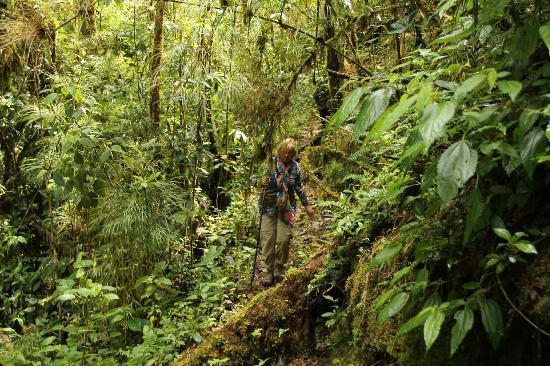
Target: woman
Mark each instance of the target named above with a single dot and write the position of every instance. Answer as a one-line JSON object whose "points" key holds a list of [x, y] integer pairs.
{"points": [[278, 209]]}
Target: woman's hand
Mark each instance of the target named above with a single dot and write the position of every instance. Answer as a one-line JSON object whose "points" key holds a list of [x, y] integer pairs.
{"points": [[310, 213]]}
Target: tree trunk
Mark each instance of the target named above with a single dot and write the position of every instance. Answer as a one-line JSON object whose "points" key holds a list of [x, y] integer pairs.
{"points": [[86, 12], [154, 106]]}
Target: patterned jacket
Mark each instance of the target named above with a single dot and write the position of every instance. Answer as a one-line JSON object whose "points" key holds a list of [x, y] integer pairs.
{"points": [[270, 189]]}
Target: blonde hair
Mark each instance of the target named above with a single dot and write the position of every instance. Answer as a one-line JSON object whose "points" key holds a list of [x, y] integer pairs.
{"points": [[288, 145]]}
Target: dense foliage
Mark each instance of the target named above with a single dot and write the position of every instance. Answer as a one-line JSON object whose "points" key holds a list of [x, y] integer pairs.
{"points": [[132, 134]]}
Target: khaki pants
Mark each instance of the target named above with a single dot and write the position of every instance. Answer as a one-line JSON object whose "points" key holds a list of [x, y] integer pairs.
{"points": [[275, 238]]}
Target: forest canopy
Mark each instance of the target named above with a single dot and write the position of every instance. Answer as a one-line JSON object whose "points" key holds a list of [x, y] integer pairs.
{"points": [[134, 135]]}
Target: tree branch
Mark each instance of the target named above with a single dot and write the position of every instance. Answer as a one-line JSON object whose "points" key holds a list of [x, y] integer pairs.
{"points": [[518, 311]]}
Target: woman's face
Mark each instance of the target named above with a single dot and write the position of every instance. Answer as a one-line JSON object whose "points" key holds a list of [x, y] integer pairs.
{"points": [[287, 157]]}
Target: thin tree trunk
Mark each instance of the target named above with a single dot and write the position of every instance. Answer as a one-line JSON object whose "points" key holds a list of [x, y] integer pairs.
{"points": [[86, 12], [154, 106]]}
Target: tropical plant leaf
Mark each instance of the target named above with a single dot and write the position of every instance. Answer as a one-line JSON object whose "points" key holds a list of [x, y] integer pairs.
{"points": [[474, 210], [348, 106], [390, 117], [544, 32], [510, 87], [464, 322], [434, 118], [373, 106], [491, 316], [393, 307], [385, 255], [432, 327], [468, 85], [416, 321], [456, 165], [525, 247], [530, 147], [492, 9], [524, 41]]}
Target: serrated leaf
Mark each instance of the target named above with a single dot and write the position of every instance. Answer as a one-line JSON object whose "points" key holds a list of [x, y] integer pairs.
{"points": [[390, 117], [416, 321], [491, 316], [434, 118], [510, 87], [474, 210], [464, 322], [372, 108], [468, 85], [526, 247], [393, 307], [348, 105], [544, 32], [455, 166], [432, 327]]}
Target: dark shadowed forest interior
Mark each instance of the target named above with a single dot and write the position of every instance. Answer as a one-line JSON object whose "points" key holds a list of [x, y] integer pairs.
{"points": [[138, 137]]}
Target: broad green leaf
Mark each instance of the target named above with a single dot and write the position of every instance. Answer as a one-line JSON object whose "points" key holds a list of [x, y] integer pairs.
{"points": [[530, 147], [492, 9], [390, 117], [65, 296], [455, 166], [432, 326], [163, 281], [58, 178], [468, 85], [416, 321], [524, 41], [502, 233], [348, 105], [456, 35], [381, 300], [434, 118], [526, 247], [491, 316], [474, 210], [134, 325], [464, 322], [117, 148], [400, 274], [544, 32], [111, 297], [393, 307], [385, 255], [527, 120], [373, 106], [510, 87], [50, 98]]}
